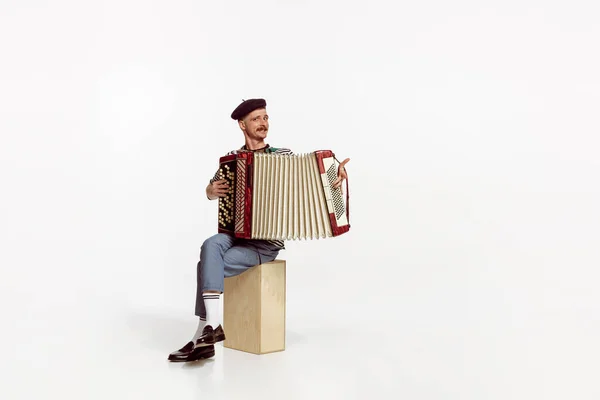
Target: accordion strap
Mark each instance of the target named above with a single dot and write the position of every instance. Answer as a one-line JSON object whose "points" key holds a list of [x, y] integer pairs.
{"points": [[347, 202]]}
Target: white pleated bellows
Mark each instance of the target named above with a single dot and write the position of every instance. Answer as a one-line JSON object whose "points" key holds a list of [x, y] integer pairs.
{"points": [[291, 199]]}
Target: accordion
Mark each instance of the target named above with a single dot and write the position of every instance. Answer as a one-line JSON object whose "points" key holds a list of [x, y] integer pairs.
{"points": [[282, 196]]}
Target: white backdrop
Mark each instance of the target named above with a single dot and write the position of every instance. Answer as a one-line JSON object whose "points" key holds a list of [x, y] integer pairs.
{"points": [[474, 178]]}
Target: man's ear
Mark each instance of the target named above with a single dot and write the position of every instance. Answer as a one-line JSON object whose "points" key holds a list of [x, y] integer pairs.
{"points": [[242, 125]]}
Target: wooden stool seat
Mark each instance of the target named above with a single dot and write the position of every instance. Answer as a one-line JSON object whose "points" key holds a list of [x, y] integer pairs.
{"points": [[254, 309]]}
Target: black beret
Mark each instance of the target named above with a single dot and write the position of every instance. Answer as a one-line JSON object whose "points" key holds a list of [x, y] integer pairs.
{"points": [[246, 107]]}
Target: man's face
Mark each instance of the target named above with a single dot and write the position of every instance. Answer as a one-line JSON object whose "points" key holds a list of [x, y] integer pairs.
{"points": [[256, 124]]}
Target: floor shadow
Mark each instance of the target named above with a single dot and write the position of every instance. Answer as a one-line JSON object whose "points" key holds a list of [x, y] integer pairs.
{"points": [[294, 338], [195, 364], [166, 333]]}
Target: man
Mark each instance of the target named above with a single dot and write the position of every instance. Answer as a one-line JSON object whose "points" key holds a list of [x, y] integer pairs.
{"points": [[223, 255]]}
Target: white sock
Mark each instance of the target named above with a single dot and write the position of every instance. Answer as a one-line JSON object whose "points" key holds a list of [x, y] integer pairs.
{"points": [[201, 325], [212, 303]]}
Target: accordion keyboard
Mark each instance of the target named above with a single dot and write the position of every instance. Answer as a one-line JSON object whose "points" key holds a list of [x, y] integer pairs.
{"points": [[227, 203], [336, 194]]}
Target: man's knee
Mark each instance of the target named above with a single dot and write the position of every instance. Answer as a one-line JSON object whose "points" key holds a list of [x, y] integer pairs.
{"points": [[220, 240]]}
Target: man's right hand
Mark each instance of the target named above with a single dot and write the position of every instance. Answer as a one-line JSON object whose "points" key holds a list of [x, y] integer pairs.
{"points": [[217, 189]]}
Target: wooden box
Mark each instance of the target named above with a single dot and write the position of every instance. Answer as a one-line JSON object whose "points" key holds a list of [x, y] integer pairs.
{"points": [[254, 309]]}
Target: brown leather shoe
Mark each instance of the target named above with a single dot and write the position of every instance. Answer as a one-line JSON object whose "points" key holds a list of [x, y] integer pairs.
{"points": [[191, 353], [210, 336]]}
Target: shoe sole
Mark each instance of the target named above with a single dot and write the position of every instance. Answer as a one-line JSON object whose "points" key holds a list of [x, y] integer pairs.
{"points": [[197, 354], [201, 355]]}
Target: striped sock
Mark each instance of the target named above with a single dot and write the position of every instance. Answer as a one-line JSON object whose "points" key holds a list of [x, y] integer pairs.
{"points": [[211, 303]]}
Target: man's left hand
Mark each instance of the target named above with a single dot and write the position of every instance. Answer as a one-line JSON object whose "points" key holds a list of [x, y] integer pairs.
{"points": [[341, 174]]}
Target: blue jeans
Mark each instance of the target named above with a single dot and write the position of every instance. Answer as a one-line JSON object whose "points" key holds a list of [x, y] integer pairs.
{"points": [[223, 256]]}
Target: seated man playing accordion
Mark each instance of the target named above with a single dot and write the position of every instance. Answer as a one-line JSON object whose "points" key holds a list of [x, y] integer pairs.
{"points": [[224, 255]]}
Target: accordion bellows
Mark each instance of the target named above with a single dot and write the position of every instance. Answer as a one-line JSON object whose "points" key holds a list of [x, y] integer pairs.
{"points": [[281, 197]]}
